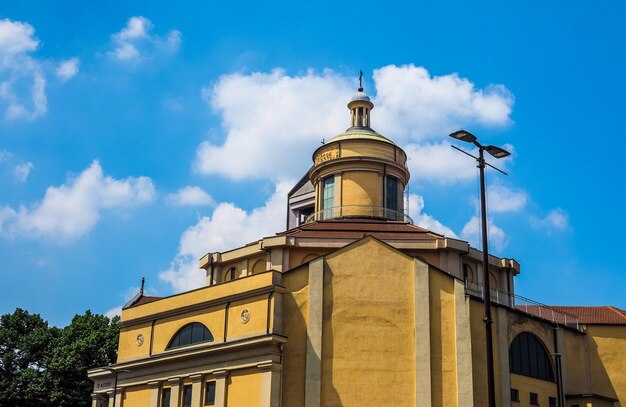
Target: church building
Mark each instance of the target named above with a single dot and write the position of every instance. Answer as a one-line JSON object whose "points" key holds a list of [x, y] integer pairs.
{"points": [[354, 305]]}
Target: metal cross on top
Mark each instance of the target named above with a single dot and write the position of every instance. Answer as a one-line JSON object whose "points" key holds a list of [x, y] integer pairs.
{"points": [[360, 80]]}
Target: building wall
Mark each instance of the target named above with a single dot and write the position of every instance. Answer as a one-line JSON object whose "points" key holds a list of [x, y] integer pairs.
{"points": [[367, 347], [607, 351], [526, 385], [136, 396], [244, 388]]}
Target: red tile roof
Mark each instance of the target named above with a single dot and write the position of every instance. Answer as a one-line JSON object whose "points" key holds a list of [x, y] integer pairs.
{"points": [[358, 229], [598, 315], [144, 299]]}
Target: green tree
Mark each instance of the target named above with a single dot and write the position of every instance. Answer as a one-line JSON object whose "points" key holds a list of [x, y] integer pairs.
{"points": [[24, 352], [89, 341], [47, 366]]}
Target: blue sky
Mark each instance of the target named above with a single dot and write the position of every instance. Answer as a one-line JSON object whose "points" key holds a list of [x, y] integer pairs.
{"points": [[136, 137]]}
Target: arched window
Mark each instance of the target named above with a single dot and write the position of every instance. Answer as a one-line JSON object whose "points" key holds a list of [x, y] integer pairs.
{"points": [[528, 357], [190, 334], [230, 274]]}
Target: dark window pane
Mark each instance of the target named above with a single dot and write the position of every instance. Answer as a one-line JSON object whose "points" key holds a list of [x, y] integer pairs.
{"points": [[534, 398], [392, 194], [209, 394], [528, 357], [190, 334], [551, 402], [165, 398], [185, 336], [187, 396], [514, 395], [197, 333]]}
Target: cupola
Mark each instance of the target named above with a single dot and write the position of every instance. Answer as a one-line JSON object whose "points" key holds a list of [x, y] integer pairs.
{"points": [[359, 174]]}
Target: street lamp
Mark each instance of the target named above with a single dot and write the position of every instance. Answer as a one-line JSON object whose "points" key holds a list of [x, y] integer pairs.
{"points": [[116, 371], [496, 152]]}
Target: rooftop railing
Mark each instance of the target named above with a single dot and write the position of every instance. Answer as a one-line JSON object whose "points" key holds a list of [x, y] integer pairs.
{"points": [[358, 212], [524, 304]]}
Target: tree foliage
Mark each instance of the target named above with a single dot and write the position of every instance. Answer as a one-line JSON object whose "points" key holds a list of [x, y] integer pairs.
{"points": [[42, 365]]}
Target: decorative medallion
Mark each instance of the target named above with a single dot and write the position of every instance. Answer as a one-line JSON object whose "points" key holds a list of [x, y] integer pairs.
{"points": [[139, 339], [245, 316]]}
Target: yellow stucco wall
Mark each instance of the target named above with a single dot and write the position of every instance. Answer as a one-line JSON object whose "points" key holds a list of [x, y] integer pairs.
{"points": [[257, 310], [479, 357], [127, 346], [574, 358], [607, 353], [367, 342], [526, 385], [244, 388], [199, 295], [295, 317], [136, 396], [360, 188], [442, 340]]}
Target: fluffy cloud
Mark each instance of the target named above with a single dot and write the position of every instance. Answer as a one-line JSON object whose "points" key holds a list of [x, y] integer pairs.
{"points": [[416, 212], [22, 82], [472, 231], [502, 199], [73, 209], [412, 105], [190, 196], [19, 169], [273, 121], [556, 220], [228, 227], [135, 41], [67, 69]]}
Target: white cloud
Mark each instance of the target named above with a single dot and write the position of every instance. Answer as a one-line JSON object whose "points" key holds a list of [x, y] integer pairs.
{"points": [[228, 227], [412, 105], [22, 82], [73, 209], [19, 169], [472, 233], [190, 196], [273, 121], [67, 69], [416, 208], [22, 171], [503, 199], [556, 220], [136, 42]]}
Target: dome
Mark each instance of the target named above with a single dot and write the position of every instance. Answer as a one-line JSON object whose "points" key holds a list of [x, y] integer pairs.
{"points": [[360, 95]]}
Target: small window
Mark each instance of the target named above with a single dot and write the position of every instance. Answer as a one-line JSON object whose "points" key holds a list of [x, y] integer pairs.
{"points": [[514, 395], [534, 399], [551, 401], [392, 194], [187, 395], [209, 394], [190, 334], [165, 397]]}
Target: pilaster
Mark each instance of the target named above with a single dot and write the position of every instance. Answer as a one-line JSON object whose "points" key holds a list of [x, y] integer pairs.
{"points": [[465, 386], [174, 382], [154, 393], [421, 294], [196, 390], [313, 370], [220, 387], [270, 384]]}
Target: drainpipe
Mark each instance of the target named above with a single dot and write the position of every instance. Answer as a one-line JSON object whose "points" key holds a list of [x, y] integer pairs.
{"points": [[557, 362]]}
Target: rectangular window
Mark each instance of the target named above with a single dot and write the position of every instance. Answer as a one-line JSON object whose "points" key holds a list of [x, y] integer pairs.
{"points": [[187, 396], [534, 399], [328, 197], [514, 395], [392, 194], [165, 397], [551, 401], [209, 394]]}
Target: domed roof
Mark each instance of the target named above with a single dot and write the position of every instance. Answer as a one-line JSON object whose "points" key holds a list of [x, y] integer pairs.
{"points": [[360, 95]]}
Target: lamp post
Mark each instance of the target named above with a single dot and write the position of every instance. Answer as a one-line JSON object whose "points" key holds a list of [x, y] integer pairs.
{"points": [[110, 369], [497, 152]]}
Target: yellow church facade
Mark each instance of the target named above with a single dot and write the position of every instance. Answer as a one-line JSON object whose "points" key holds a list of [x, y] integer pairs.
{"points": [[353, 305]]}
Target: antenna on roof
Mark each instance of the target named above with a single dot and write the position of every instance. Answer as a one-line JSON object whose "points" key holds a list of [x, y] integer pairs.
{"points": [[360, 80], [143, 281]]}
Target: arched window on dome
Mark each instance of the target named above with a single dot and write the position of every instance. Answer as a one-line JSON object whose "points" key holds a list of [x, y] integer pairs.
{"points": [[391, 194], [190, 334], [528, 357]]}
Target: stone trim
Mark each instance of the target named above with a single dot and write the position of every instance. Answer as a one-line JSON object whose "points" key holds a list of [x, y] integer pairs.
{"points": [[313, 369], [421, 294]]}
